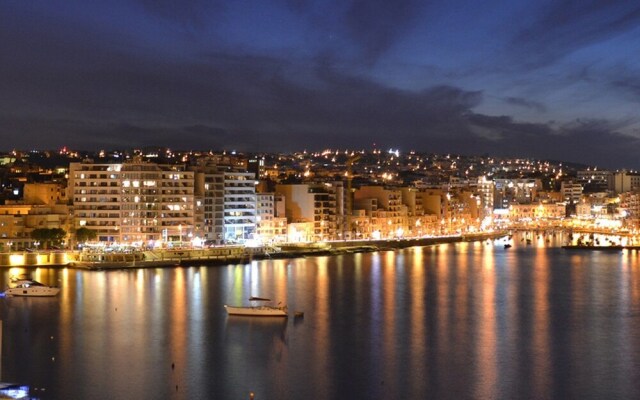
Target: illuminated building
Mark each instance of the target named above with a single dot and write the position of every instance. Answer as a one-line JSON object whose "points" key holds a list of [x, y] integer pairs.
{"points": [[521, 191], [134, 202], [229, 196], [312, 203], [385, 208], [42, 207], [540, 211], [593, 180], [571, 192], [485, 189], [265, 210]]}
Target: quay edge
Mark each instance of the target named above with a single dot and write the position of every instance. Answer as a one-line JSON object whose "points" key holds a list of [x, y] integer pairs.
{"points": [[222, 255]]}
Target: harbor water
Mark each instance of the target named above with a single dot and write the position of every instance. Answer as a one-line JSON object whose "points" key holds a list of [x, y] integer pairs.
{"points": [[452, 321]]}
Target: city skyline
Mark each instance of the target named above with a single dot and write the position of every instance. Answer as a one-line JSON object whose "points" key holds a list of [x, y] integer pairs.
{"points": [[544, 80]]}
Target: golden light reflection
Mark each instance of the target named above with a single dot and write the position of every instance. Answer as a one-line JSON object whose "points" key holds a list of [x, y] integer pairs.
{"points": [[487, 371], [280, 282], [540, 326], [237, 285], [16, 272], [64, 280], [460, 288], [443, 298], [392, 267], [322, 337], [139, 281], [357, 266], [418, 335], [632, 268], [179, 320]]}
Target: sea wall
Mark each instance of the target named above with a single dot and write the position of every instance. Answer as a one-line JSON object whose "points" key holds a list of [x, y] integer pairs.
{"points": [[216, 255]]}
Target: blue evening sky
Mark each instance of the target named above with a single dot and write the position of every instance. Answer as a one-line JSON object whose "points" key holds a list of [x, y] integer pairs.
{"points": [[545, 79]]}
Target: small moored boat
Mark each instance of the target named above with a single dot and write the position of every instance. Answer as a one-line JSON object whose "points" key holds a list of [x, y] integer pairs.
{"points": [[31, 288], [258, 310]]}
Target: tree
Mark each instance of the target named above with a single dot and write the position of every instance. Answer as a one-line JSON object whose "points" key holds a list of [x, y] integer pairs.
{"points": [[57, 236], [85, 234], [48, 236], [40, 235]]}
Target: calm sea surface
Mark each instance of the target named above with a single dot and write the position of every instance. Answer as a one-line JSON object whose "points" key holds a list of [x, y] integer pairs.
{"points": [[463, 321]]}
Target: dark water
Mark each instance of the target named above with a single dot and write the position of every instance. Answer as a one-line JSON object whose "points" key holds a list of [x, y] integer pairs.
{"points": [[464, 321]]}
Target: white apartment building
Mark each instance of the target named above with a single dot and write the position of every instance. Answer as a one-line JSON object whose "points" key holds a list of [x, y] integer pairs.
{"points": [[239, 206], [134, 202], [229, 199]]}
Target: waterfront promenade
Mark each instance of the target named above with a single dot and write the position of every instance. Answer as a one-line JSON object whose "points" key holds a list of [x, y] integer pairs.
{"points": [[218, 255]]}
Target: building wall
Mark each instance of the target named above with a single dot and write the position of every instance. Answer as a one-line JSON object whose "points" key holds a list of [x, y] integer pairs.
{"points": [[298, 202], [536, 211], [133, 202], [391, 214], [44, 193], [265, 211], [625, 181], [239, 206], [571, 192], [312, 203], [17, 221]]}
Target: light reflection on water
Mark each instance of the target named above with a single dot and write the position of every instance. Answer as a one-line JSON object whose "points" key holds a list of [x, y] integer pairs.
{"points": [[471, 320]]}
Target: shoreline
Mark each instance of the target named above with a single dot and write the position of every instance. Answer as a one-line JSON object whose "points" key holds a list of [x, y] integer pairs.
{"points": [[227, 255], [233, 254]]}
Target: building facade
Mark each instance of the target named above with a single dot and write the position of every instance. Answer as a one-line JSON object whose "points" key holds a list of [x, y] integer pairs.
{"points": [[135, 202]]}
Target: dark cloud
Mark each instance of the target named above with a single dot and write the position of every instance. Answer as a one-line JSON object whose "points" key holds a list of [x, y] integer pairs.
{"points": [[590, 141], [528, 104], [562, 27], [226, 101], [371, 26], [188, 13], [377, 24], [71, 85]]}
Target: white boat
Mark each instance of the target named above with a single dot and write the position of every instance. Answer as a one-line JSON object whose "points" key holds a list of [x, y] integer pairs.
{"points": [[258, 310], [31, 288]]}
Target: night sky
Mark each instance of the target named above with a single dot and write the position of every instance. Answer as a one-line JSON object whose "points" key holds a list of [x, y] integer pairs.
{"points": [[545, 79]]}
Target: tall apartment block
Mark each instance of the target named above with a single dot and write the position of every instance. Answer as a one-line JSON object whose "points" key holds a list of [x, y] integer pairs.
{"points": [[133, 202], [229, 197]]}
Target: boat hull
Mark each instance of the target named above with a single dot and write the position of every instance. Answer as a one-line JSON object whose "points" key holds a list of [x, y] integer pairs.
{"points": [[259, 311], [32, 292]]}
